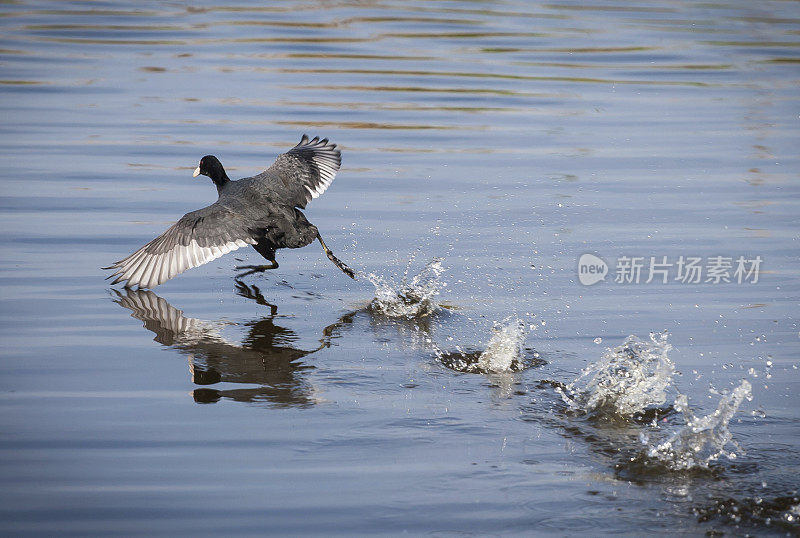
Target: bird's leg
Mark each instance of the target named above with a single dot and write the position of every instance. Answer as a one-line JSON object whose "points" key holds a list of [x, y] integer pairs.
{"points": [[339, 263], [268, 253]]}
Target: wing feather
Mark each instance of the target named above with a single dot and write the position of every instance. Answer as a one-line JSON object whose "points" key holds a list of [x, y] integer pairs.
{"points": [[297, 177], [142, 269], [304, 172], [198, 238]]}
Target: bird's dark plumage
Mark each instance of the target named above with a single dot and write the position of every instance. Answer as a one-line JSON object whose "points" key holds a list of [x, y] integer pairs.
{"points": [[262, 211]]}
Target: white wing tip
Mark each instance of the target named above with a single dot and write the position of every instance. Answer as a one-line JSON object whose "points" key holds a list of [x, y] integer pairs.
{"points": [[143, 270]]}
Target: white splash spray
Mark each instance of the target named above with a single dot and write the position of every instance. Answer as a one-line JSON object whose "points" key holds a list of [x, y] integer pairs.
{"points": [[504, 353], [702, 439], [626, 380], [408, 299]]}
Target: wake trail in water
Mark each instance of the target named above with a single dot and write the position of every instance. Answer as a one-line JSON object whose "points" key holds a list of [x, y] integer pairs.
{"points": [[415, 298]]}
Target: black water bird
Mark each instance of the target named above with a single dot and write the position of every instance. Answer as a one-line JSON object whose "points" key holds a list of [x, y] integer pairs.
{"points": [[262, 211]]}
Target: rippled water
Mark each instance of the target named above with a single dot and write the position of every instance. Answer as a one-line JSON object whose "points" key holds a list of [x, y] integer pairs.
{"points": [[507, 139]]}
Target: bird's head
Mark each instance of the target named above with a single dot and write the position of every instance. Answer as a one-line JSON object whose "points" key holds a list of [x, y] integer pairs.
{"points": [[211, 167]]}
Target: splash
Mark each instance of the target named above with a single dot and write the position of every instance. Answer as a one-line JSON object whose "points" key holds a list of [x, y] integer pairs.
{"points": [[408, 299], [504, 353], [702, 439], [627, 379]]}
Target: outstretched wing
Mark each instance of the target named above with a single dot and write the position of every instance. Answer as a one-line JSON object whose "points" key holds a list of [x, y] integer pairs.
{"points": [[198, 238], [304, 172]]}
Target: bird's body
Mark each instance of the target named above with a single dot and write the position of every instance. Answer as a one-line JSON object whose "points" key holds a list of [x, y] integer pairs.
{"points": [[262, 211]]}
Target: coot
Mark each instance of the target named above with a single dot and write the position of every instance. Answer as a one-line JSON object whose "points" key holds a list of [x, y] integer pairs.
{"points": [[262, 211]]}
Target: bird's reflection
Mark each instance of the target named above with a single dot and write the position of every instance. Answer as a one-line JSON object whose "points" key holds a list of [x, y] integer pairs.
{"points": [[267, 356]]}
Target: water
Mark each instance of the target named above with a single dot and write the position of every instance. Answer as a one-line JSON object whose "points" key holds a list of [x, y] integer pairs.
{"points": [[702, 440], [504, 352], [408, 299], [507, 139], [626, 381]]}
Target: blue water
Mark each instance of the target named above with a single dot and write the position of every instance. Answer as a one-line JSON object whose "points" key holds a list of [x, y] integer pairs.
{"points": [[508, 138]]}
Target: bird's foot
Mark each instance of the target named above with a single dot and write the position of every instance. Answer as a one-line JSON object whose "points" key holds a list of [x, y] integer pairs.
{"points": [[341, 265], [250, 269]]}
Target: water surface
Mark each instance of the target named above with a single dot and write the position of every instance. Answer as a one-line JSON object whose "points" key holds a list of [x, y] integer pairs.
{"points": [[507, 139]]}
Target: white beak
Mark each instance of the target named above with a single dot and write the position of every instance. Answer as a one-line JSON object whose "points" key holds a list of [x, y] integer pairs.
{"points": [[196, 172]]}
